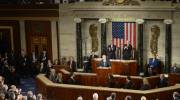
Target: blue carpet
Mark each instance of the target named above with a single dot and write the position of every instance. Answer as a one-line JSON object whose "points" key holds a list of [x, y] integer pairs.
{"points": [[27, 84]]}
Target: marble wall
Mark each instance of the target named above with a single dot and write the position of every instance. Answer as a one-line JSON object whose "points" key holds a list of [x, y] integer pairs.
{"points": [[153, 16]]}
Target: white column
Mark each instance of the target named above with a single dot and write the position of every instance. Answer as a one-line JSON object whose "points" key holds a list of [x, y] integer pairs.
{"points": [[54, 40], [22, 34]]}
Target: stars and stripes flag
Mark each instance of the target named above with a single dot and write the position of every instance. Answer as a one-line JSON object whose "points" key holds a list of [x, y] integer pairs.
{"points": [[123, 32]]}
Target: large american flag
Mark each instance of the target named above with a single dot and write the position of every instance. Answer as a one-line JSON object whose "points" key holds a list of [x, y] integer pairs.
{"points": [[122, 32]]}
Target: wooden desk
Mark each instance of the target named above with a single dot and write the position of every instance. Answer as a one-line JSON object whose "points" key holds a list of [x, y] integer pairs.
{"points": [[123, 67], [174, 78], [54, 91], [137, 80], [87, 79], [102, 75]]}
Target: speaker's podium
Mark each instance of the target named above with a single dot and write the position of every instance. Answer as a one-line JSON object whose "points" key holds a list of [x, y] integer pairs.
{"points": [[102, 73], [122, 67]]}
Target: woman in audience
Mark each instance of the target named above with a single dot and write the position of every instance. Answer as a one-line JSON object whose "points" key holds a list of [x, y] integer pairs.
{"points": [[59, 78], [52, 75], [145, 85]]}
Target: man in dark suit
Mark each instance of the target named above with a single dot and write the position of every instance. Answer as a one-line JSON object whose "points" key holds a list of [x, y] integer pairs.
{"points": [[88, 66], [127, 51], [154, 63], [43, 57], [24, 64], [72, 64], [12, 59], [104, 62], [111, 51], [129, 83], [71, 80], [174, 69], [163, 81]]}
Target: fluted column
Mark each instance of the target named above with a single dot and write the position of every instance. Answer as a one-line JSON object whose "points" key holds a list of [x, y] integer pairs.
{"points": [[140, 44], [168, 45], [79, 42], [103, 34]]}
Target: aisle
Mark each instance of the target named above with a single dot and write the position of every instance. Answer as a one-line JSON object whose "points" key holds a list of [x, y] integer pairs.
{"points": [[28, 84]]}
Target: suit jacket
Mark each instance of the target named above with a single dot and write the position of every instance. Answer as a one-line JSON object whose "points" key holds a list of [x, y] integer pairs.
{"points": [[71, 81], [43, 58], [153, 63], [112, 52], [12, 59], [145, 87], [129, 85], [162, 83], [127, 52], [72, 66], [105, 64]]}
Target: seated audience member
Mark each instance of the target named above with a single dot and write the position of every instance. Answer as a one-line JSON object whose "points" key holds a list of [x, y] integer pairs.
{"points": [[145, 85], [111, 81], [2, 96], [174, 68], [104, 62], [163, 81], [176, 96], [59, 78], [80, 98], [63, 61], [129, 83], [95, 96], [71, 80], [52, 75], [43, 69], [71, 64], [128, 98], [49, 64], [152, 65], [56, 62], [30, 95], [111, 97], [143, 98], [39, 96]]}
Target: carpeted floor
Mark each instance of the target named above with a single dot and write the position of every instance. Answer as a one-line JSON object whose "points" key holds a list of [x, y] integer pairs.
{"points": [[27, 84]]}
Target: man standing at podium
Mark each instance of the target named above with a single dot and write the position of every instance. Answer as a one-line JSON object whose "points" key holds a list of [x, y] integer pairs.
{"points": [[104, 62]]}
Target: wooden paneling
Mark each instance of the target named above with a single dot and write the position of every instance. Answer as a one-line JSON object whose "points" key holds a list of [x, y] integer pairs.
{"points": [[38, 36], [50, 10], [122, 67], [174, 78], [16, 32], [71, 92], [101, 78]]}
